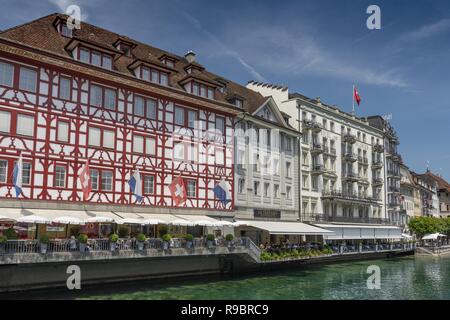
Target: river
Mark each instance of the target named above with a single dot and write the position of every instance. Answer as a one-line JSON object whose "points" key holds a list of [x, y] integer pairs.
{"points": [[422, 277]]}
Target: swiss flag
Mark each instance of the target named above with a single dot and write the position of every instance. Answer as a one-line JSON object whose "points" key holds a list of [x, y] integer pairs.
{"points": [[85, 179], [178, 191], [356, 96]]}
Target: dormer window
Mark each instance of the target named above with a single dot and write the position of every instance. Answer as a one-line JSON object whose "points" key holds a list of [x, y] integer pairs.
{"points": [[199, 89], [95, 58], [65, 31], [155, 76], [239, 103], [126, 49]]}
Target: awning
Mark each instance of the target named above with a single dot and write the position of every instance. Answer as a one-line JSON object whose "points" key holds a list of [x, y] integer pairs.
{"points": [[406, 236], [433, 236], [360, 232], [284, 228], [204, 221], [157, 218], [101, 217]]}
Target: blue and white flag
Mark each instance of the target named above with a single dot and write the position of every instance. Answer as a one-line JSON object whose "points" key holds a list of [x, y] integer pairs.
{"points": [[17, 177], [136, 185], [222, 191]]}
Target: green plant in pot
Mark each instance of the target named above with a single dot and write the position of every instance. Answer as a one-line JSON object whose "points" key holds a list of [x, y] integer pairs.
{"points": [[166, 238], [11, 234], [189, 240], [141, 241], [123, 232], [44, 240], [229, 239], [82, 240], [113, 238], [210, 238]]}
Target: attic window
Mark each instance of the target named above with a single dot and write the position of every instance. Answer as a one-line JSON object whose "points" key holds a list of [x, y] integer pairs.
{"points": [[64, 30], [199, 89], [239, 103], [168, 62], [125, 48]]}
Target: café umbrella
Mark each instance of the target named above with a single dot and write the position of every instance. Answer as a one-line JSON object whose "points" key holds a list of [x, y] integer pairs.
{"points": [[68, 220], [34, 219], [181, 222]]}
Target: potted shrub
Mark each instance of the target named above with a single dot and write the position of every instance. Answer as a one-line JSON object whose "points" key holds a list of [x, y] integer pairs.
{"points": [[3, 241], [74, 231], [82, 240], [189, 240], [229, 239], [113, 238], [123, 232], [141, 241], [44, 240], [166, 241], [11, 234], [210, 238]]}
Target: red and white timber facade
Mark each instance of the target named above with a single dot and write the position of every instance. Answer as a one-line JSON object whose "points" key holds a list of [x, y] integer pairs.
{"points": [[56, 135]]}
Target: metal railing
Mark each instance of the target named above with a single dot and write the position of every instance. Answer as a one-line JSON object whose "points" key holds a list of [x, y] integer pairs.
{"points": [[330, 218]]}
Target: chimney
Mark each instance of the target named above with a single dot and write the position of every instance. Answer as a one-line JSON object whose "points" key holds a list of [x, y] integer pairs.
{"points": [[190, 56]]}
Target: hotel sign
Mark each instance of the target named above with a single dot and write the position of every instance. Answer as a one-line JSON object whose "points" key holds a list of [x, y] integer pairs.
{"points": [[267, 214]]}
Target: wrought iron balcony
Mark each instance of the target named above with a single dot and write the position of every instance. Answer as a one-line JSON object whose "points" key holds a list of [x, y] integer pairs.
{"points": [[363, 160], [317, 148], [313, 125], [350, 156], [331, 218], [349, 196], [330, 173], [377, 163], [318, 169], [393, 173], [394, 189], [351, 176], [349, 138], [378, 148], [377, 181]]}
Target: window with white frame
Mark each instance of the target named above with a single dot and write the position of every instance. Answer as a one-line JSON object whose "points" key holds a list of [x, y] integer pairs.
{"points": [[191, 189], [149, 184], [27, 79], [305, 181], [6, 74], [25, 125], [150, 146], [107, 178], [220, 156], [94, 179], [95, 58], [3, 170], [96, 97], [26, 172], [315, 182], [138, 144], [108, 139], [145, 107], [256, 188], [192, 119], [178, 150], [192, 153], [220, 125], [241, 186], [94, 137], [65, 31], [276, 190], [60, 176], [155, 76], [288, 193], [288, 169], [63, 131], [5, 121], [110, 99], [179, 116], [266, 189]]}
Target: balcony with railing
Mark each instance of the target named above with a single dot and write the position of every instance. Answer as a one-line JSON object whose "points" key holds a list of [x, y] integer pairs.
{"points": [[312, 125], [348, 219], [378, 148], [363, 160], [346, 196], [349, 156], [394, 189], [394, 173], [350, 176], [318, 169], [377, 163], [376, 181], [349, 138], [317, 148]]}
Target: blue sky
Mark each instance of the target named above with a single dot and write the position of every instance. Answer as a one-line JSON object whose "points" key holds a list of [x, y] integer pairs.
{"points": [[319, 48]]}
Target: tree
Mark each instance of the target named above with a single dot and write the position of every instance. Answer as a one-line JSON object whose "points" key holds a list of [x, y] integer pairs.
{"points": [[425, 225]]}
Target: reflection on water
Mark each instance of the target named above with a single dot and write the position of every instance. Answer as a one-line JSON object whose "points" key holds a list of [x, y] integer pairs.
{"points": [[402, 278]]}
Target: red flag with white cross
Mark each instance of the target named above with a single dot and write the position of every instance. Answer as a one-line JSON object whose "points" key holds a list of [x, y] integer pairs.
{"points": [[178, 190], [85, 179]]}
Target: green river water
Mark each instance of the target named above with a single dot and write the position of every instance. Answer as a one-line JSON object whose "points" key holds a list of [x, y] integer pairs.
{"points": [[401, 278]]}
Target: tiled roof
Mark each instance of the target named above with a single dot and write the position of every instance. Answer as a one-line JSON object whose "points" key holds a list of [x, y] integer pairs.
{"points": [[41, 34], [442, 184]]}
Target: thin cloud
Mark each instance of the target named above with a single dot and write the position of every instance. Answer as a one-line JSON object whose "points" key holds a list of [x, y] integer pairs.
{"points": [[427, 31], [224, 48]]}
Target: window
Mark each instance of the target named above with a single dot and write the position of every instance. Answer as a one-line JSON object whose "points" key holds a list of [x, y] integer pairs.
{"points": [[266, 189], [192, 119], [149, 184], [155, 76], [191, 189], [200, 89], [108, 139], [276, 191], [94, 179], [145, 107], [288, 193], [65, 31], [27, 79], [63, 131], [138, 144], [179, 116], [241, 186], [26, 172], [144, 145], [106, 181], [276, 167], [178, 150], [25, 125], [94, 137], [220, 125], [110, 99], [3, 170], [238, 103], [95, 58], [65, 88], [6, 74], [288, 170], [305, 181], [288, 144], [220, 157], [256, 188], [315, 182], [60, 177], [96, 96], [5, 121]]}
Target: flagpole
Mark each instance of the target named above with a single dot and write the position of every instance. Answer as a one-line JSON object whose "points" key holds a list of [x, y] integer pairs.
{"points": [[353, 100]]}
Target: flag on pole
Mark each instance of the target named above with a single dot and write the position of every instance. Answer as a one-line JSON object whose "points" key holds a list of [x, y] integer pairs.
{"points": [[85, 179], [356, 96], [222, 191], [17, 177], [178, 191], [136, 185]]}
